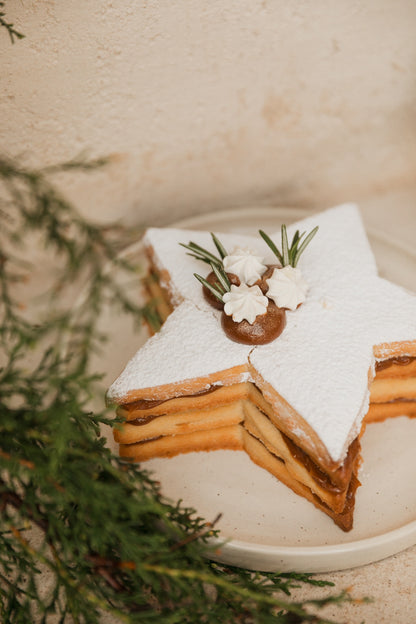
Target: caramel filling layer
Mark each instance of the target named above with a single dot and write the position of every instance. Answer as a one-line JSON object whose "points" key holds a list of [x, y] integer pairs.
{"points": [[317, 474], [139, 422], [146, 404], [403, 360]]}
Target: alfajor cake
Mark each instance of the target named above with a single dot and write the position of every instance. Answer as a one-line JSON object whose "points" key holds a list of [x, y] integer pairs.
{"points": [[277, 345]]}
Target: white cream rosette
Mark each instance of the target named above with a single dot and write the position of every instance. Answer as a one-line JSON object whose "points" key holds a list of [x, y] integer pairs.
{"points": [[245, 303], [246, 264], [287, 288]]}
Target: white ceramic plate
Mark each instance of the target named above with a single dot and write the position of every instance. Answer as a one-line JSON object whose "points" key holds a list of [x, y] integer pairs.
{"points": [[264, 524]]}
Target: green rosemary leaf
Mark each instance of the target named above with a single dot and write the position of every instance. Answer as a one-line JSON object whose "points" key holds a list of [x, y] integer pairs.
{"points": [[220, 247], [194, 253], [304, 244], [289, 255], [294, 245], [199, 258], [203, 253], [214, 291], [222, 277], [272, 246], [285, 246], [295, 240]]}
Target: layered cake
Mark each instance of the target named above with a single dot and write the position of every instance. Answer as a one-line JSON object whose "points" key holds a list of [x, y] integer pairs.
{"points": [[283, 345]]}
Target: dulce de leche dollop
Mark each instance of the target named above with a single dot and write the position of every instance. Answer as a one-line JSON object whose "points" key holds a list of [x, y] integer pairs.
{"points": [[265, 328]]}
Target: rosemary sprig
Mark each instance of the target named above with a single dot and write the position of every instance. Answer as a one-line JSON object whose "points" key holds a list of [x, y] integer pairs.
{"points": [[223, 284], [285, 246], [200, 253], [290, 254], [221, 249], [299, 250], [222, 277], [272, 246], [204, 282]]}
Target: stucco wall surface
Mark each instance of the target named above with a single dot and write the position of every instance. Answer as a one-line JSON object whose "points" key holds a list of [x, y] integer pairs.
{"points": [[213, 104]]}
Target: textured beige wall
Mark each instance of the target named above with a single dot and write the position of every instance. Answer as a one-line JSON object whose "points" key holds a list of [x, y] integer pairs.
{"points": [[213, 104]]}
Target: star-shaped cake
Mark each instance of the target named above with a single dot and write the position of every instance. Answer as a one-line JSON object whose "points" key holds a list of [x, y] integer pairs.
{"points": [[298, 404]]}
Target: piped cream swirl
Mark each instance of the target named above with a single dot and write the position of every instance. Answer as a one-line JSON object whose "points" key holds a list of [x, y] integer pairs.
{"points": [[245, 303], [246, 264]]}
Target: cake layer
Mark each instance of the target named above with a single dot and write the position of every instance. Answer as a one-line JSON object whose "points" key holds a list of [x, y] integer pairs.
{"points": [[184, 402], [389, 388], [381, 411], [298, 465], [179, 423], [225, 438], [393, 390], [261, 456], [339, 473], [396, 367]]}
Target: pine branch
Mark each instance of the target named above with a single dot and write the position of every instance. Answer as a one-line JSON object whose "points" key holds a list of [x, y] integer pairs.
{"points": [[105, 536]]}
